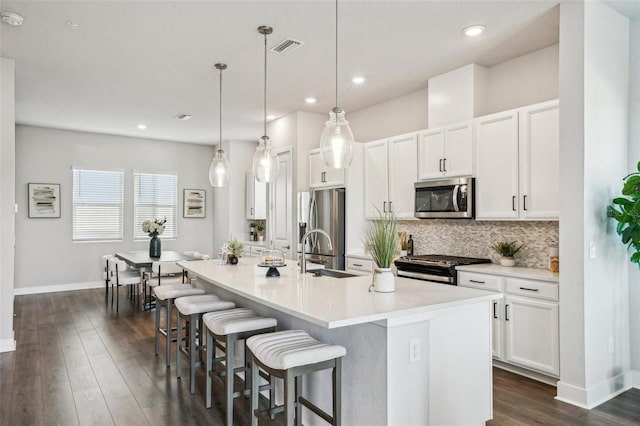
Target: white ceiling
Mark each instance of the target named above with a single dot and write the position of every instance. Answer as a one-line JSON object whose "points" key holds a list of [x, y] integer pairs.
{"points": [[146, 61]]}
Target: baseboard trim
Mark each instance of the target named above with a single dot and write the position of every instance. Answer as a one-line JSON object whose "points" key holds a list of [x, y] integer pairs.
{"points": [[21, 291], [8, 345], [594, 395], [635, 379], [549, 380]]}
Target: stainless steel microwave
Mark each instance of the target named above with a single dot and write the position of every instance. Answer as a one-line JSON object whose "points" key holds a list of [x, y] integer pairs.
{"points": [[446, 198]]}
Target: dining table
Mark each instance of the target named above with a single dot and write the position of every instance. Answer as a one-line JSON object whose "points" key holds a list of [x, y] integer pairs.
{"points": [[141, 261]]}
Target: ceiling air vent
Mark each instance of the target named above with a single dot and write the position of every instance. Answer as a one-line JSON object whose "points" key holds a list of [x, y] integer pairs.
{"points": [[286, 46], [183, 117]]}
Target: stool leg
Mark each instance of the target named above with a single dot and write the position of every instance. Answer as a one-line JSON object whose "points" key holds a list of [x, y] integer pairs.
{"points": [[211, 349], [178, 344], [298, 383], [192, 353], [157, 342], [169, 332], [337, 393], [289, 394], [255, 394], [117, 298], [229, 349]]}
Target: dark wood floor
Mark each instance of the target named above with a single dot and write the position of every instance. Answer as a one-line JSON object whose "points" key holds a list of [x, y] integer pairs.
{"points": [[79, 363]]}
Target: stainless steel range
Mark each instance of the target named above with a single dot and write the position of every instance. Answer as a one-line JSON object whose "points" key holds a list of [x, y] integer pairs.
{"points": [[434, 267]]}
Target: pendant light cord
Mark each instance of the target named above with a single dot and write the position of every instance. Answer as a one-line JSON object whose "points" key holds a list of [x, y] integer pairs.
{"points": [[220, 144], [265, 85], [337, 53]]}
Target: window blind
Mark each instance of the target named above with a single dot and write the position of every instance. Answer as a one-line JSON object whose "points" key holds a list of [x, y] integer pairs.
{"points": [[155, 197], [97, 205]]}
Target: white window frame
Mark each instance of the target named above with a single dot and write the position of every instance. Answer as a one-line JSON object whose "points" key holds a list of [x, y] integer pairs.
{"points": [[157, 207], [95, 189]]}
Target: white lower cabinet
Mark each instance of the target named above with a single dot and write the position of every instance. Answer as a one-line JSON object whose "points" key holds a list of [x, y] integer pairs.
{"points": [[358, 265], [525, 322]]}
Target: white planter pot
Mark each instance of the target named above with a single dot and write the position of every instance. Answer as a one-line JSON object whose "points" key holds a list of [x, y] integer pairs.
{"points": [[508, 261], [383, 280]]}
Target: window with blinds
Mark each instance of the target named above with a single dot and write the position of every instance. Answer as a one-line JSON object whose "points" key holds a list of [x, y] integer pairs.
{"points": [[97, 205], [155, 197]]}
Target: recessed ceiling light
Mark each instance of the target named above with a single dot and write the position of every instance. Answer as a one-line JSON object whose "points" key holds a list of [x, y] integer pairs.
{"points": [[310, 100], [72, 25], [142, 126], [473, 30], [358, 79], [271, 117], [183, 117], [12, 18]]}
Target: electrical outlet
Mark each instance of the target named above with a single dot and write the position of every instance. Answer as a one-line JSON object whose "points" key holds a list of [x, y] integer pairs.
{"points": [[592, 250], [414, 350], [610, 344]]}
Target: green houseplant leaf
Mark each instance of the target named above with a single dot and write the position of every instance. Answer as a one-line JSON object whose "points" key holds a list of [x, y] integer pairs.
{"points": [[381, 236], [626, 211]]}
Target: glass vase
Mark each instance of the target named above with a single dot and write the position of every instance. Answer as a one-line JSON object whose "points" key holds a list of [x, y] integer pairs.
{"points": [[154, 247]]}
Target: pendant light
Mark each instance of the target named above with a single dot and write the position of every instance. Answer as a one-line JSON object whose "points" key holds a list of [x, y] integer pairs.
{"points": [[219, 170], [336, 142], [265, 161]]}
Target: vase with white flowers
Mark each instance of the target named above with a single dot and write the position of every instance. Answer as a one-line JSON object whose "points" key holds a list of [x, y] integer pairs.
{"points": [[153, 228]]}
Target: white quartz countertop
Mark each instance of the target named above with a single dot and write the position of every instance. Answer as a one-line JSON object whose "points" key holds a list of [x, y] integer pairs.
{"points": [[512, 271], [332, 302]]}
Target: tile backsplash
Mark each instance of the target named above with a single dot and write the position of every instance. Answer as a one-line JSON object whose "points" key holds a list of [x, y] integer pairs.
{"points": [[472, 238]]}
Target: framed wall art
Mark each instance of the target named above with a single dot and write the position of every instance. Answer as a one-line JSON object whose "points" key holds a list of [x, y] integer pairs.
{"points": [[44, 200], [194, 202]]}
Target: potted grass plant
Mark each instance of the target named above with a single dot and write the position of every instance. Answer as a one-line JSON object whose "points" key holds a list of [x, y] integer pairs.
{"points": [[507, 249], [381, 237]]}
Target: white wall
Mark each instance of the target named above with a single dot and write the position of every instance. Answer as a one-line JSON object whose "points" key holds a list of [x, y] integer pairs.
{"points": [[634, 157], [594, 46], [389, 118], [7, 201], [524, 80], [45, 253]]}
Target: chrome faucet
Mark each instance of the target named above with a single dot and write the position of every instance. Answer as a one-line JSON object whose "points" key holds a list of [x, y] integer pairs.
{"points": [[303, 261]]}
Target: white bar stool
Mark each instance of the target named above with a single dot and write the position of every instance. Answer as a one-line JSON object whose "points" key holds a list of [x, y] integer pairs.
{"points": [[228, 327], [191, 309], [165, 295], [290, 355]]}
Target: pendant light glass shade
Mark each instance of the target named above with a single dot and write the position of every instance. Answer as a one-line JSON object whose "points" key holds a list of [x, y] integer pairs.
{"points": [[265, 161], [336, 141], [220, 170]]}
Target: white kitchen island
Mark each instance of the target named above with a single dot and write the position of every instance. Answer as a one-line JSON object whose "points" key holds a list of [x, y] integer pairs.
{"points": [[418, 356]]}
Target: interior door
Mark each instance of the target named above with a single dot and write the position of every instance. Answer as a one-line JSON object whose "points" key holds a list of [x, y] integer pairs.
{"points": [[281, 204]]}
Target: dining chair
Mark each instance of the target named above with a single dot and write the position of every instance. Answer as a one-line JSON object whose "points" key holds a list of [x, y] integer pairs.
{"points": [[121, 276], [106, 274]]}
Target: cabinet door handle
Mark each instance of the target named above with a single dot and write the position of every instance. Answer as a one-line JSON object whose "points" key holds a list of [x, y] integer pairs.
{"points": [[358, 264], [384, 207], [390, 207], [444, 164], [477, 282], [506, 312], [440, 164], [524, 202], [529, 289], [251, 211], [495, 305], [513, 203]]}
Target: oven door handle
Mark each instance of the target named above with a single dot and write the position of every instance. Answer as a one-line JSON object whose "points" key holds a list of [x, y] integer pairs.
{"points": [[428, 277], [456, 190]]}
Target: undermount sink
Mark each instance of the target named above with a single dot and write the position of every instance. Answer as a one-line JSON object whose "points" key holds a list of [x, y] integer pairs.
{"points": [[333, 273]]}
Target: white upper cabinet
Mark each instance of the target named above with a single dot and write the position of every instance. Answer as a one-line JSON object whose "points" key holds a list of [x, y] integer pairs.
{"points": [[256, 198], [322, 176], [517, 163], [390, 171], [540, 161], [446, 151]]}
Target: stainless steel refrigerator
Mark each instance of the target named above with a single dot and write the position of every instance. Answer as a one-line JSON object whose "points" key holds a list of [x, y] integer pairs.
{"points": [[323, 209]]}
